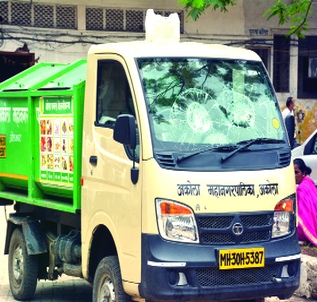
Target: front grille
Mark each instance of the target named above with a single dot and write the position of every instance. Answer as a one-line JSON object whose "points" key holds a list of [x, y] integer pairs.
{"points": [[256, 220], [217, 229], [284, 159], [166, 160], [215, 222], [208, 277], [212, 238], [257, 236]]}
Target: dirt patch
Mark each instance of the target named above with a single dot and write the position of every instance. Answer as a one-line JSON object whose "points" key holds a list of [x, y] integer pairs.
{"points": [[309, 249]]}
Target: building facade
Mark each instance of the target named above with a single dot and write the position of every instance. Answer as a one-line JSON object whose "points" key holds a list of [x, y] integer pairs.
{"points": [[62, 31]]}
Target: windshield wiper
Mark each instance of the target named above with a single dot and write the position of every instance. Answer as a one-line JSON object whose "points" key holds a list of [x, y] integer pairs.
{"points": [[250, 142], [180, 158]]}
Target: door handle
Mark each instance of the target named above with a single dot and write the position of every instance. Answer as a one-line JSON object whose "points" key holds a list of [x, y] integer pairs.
{"points": [[93, 159]]}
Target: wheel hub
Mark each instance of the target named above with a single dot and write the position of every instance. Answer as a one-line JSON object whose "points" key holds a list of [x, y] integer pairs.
{"points": [[18, 263], [107, 293]]}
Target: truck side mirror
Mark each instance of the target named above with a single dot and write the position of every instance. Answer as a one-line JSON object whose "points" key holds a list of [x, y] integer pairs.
{"points": [[125, 133], [125, 130]]}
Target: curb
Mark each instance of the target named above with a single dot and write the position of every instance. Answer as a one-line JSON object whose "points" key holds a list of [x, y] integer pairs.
{"points": [[308, 278]]}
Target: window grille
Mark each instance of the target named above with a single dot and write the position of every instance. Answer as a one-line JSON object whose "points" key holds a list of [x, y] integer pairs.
{"points": [[39, 15], [122, 20], [114, 20], [135, 20], [43, 15], [28, 13], [4, 12], [21, 13], [281, 63], [94, 18], [307, 67], [65, 16]]}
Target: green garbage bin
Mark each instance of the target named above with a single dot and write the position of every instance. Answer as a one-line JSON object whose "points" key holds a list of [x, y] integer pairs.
{"points": [[41, 135]]}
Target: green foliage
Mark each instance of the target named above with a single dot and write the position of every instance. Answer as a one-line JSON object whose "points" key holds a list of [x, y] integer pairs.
{"points": [[195, 8], [295, 13]]}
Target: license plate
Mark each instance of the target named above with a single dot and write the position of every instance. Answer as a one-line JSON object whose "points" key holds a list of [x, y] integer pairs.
{"points": [[241, 258]]}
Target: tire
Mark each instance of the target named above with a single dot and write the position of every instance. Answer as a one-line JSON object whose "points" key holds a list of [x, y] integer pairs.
{"points": [[22, 268], [107, 285]]}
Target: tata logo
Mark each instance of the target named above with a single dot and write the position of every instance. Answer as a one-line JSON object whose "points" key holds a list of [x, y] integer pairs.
{"points": [[237, 229]]}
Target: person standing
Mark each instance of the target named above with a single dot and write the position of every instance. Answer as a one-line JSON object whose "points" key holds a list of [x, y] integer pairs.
{"points": [[306, 192], [289, 119]]}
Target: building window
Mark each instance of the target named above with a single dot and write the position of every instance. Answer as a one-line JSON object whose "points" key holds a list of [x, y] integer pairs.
{"points": [[39, 15], [43, 10], [281, 61], [135, 21], [21, 13], [95, 18], [4, 12], [114, 20], [264, 54], [65, 16], [131, 20], [307, 67]]}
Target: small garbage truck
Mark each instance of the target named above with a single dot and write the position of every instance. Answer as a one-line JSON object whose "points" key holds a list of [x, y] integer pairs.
{"points": [[156, 170]]}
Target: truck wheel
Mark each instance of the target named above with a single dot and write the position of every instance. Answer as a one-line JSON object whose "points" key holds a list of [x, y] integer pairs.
{"points": [[22, 268], [107, 285]]}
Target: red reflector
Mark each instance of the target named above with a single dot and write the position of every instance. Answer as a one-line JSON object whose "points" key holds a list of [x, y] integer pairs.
{"points": [[173, 209]]}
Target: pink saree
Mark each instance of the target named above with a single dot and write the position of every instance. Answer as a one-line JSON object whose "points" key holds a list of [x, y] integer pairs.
{"points": [[307, 210]]}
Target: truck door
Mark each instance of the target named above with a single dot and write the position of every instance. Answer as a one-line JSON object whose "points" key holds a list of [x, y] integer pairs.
{"points": [[109, 196]]}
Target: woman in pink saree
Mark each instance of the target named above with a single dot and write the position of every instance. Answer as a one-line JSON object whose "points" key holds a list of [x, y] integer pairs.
{"points": [[307, 202]]}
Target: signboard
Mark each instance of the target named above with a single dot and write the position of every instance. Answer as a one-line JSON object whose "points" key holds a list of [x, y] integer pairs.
{"points": [[2, 146], [56, 122]]}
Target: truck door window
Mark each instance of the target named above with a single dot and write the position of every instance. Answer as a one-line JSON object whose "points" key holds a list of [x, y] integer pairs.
{"points": [[113, 98], [113, 93]]}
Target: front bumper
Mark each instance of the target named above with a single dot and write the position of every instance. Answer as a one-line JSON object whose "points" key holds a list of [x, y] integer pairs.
{"points": [[188, 272]]}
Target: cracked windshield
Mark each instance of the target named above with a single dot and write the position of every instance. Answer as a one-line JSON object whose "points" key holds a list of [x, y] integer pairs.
{"points": [[195, 103]]}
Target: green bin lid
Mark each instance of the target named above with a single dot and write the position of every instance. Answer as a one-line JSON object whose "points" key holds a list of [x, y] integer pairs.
{"points": [[31, 77], [71, 76]]}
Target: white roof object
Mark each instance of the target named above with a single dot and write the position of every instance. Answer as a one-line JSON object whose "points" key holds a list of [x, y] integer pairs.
{"points": [[161, 29]]}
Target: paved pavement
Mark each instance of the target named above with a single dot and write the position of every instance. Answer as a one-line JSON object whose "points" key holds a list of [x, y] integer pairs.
{"points": [[64, 289]]}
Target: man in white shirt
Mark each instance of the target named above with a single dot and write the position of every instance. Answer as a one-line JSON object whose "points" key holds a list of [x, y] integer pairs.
{"points": [[289, 111]]}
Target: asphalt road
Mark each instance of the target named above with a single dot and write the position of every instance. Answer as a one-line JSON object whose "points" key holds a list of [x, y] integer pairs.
{"points": [[65, 289]]}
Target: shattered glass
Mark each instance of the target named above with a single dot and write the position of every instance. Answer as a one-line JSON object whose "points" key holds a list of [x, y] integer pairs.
{"points": [[208, 102]]}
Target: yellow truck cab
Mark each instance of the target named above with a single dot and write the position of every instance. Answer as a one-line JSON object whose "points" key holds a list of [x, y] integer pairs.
{"points": [[180, 186]]}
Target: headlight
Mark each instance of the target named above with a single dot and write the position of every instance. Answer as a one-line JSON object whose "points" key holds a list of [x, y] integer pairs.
{"points": [[176, 222], [284, 217]]}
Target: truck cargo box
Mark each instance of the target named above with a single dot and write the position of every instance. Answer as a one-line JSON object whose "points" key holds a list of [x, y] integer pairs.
{"points": [[41, 112]]}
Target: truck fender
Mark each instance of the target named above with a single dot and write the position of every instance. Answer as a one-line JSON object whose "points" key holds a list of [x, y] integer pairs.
{"points": [[32, 232]]}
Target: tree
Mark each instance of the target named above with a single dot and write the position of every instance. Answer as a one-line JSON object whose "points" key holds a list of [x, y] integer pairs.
{"points": [[294, 12]]}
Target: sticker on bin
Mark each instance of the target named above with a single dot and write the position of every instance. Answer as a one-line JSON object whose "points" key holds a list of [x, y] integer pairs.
{"points": [[241, 258]]}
